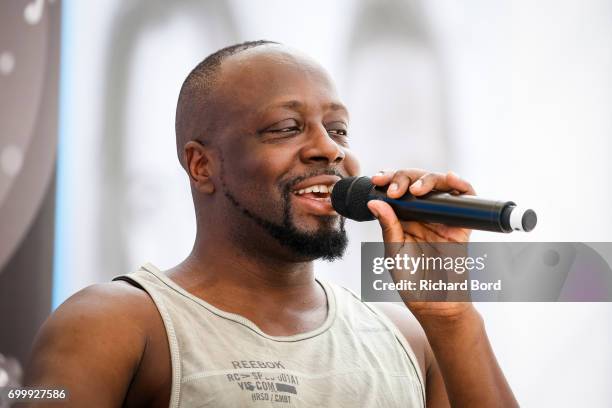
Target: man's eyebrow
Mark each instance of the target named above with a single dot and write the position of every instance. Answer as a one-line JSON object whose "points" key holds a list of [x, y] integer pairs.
{"points": [[295, 105], [337, 107]]}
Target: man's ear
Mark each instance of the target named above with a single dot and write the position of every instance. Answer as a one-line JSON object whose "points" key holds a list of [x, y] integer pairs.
{"points": [[198, 164]]}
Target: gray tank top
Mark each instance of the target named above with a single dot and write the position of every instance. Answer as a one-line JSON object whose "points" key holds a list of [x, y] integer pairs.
{"points": [[357, 358]]}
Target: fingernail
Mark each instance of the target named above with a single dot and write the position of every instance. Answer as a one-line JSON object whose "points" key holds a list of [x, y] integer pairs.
{"points": [[417, 184], [393, 187], [380, 173]]}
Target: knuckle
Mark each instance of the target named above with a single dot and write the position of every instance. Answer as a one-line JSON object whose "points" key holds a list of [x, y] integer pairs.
{"points": [[430, 177], [412, 172], [402, 177], [387, 229]]}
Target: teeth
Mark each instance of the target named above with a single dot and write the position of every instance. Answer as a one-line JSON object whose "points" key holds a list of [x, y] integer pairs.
{"points": [[319, 188]]}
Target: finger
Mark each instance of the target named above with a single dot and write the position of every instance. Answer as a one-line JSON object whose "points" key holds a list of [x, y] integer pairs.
{"points": [[387, 177], [441, 182], [399, 184], [449, 233], [383, 177], [428, 182], [422, 232], [401, 181], [391, 228], [457, 183]]}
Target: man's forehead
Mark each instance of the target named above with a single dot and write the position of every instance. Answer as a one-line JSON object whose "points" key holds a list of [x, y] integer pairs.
{"points": [[274, 56], [272, 68]]}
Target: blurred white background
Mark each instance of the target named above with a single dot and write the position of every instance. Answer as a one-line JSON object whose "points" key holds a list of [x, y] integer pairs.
{"points": [[514, 96]]}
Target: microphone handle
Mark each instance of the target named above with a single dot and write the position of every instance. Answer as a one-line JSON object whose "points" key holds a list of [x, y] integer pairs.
{"points": [[457, 210]]}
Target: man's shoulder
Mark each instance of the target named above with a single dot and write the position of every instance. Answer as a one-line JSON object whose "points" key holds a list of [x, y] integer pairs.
{"points": [[399, 315], [402, 318], [103, 330], [107, 309], [106, 300], [411, 330]]}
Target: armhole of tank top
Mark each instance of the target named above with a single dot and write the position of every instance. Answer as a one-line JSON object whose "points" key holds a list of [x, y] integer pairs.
{"points": [[405, 345], [400, 338], [175, 357]]}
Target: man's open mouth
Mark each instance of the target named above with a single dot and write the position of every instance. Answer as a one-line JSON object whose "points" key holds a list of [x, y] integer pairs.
{"points": [[317, 192], [316, 188]]}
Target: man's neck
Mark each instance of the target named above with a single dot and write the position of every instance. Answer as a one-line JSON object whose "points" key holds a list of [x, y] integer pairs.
{"points": [[248, 265], [254, 285]]}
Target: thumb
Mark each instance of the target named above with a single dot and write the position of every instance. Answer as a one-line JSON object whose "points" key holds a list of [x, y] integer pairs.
{"points": [[392, 230]]}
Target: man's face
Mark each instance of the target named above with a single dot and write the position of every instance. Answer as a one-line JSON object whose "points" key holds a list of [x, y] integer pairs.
{"points": [[283, 144]]}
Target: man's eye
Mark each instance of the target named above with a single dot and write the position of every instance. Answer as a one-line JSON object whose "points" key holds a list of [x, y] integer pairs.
{"points": [[340, 132], [285, 127], [285, 130]]}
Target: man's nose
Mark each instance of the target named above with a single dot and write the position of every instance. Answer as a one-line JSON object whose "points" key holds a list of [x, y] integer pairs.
{"points": [[321, 147]]}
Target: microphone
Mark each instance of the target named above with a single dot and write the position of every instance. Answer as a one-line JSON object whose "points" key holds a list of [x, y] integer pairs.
{"points": [[350, 197]]}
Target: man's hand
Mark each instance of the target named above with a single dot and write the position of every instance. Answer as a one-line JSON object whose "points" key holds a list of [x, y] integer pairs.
{"points": [[421, 235], [464, 369]]}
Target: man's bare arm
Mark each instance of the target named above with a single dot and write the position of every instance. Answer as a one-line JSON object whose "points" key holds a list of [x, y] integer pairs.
{"points": [[91, 346], [459, 362]]}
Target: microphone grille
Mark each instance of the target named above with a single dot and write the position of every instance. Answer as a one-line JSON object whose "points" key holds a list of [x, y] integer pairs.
{"points": [[350, 197]]}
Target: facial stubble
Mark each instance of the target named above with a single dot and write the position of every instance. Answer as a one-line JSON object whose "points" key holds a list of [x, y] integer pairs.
{"points": [[325, 243]]}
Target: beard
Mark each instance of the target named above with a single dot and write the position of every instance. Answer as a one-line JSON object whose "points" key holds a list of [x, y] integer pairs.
{"points": [[327, 243]]}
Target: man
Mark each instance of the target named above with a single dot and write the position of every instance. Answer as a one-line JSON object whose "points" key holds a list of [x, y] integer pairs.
{"points": [[242, 321]]}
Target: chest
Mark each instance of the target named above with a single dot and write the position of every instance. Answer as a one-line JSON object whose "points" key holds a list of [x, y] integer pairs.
{"points": [[339, 368]]}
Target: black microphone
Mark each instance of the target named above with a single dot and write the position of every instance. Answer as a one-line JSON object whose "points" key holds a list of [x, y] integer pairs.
{"points": [[350, 197]]}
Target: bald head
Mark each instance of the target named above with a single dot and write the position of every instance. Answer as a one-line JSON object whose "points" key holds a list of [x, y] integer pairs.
{"points": [[224, 80]]}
